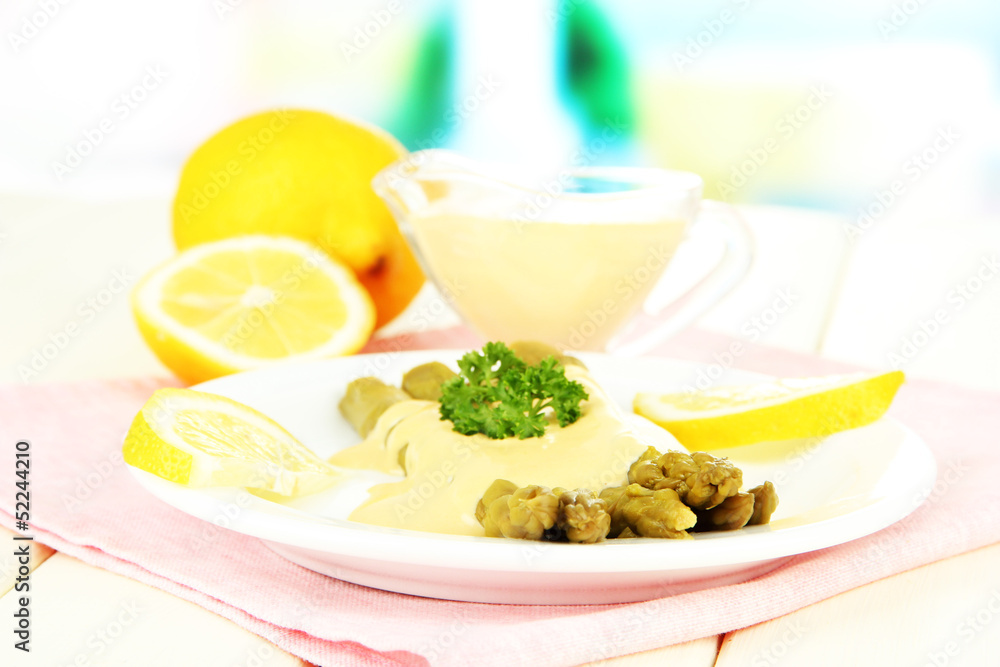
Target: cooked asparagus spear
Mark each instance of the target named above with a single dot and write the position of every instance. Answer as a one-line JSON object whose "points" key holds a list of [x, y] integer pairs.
{"points": [[765, 501], [526, 513], [532, 352], [731, 514], [583, 517], [365, 401], [701, 480], [647, 513], [424, 381], [540, 513]]}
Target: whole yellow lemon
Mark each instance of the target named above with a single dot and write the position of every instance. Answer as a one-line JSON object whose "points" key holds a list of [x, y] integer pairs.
{"points": [[305, 174]]}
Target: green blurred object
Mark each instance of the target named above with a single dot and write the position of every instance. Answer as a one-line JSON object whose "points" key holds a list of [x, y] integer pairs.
{"points": [[594, 68], [419, 121]]}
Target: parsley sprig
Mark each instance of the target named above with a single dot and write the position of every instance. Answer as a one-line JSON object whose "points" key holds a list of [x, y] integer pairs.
{"points": [[499, 395]]}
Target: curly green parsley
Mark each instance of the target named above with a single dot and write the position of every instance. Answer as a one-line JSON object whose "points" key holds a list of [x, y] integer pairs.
{"points": [[499, 395]]}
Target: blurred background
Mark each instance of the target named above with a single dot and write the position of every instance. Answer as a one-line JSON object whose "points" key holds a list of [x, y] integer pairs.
{"points": [[772, 101], [880, 115]]}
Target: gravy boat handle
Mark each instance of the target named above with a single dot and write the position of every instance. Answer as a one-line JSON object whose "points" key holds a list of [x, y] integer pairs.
{"points": [[646, 330]]}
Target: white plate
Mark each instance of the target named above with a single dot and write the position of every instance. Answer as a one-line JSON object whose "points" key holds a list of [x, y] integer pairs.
{"points": [[848, 485]]}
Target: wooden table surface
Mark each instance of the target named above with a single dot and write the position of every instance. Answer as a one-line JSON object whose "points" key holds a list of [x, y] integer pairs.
{"points": [[859, 301]]}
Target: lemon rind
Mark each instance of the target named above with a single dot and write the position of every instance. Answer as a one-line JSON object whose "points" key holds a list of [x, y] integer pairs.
{"points": [[153, 443], [857, 400], [346, 340]]}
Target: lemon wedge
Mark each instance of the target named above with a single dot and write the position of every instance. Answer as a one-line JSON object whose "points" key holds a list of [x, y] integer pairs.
{"points": [[778, 410], [245, 302], [199, 440]]}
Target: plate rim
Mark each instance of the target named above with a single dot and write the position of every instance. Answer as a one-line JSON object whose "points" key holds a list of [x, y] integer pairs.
{"points": [[271, 522]]}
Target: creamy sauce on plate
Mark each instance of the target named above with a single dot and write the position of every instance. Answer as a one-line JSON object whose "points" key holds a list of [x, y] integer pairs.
{"points": [[444, 474]]}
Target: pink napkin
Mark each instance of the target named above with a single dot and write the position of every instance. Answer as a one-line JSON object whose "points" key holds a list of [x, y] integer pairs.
{"points": [[86, 504]]}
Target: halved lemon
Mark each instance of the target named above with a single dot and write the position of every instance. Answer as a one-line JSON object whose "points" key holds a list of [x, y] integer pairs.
{"points": [[305, 174], [199, 439], [778, 410], [249, 301]]}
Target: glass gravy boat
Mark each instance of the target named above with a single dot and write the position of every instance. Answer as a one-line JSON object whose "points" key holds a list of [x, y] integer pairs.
{"points": [[570, 260]]}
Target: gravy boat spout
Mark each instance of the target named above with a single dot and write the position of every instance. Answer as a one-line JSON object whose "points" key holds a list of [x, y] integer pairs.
{"points": [[427, 179]]}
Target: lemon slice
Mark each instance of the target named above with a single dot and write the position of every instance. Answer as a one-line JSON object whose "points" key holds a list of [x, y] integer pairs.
{"points": [[199, 439], [249, 301], [778, 410]]}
